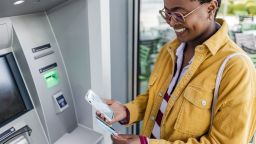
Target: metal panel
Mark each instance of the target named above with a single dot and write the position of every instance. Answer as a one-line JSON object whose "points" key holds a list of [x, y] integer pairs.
{"points": [[33, 31], [31, 119], [6, 33], [70, 25]]}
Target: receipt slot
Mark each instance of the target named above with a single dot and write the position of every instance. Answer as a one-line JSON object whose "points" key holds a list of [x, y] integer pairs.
{"points": [[60, 102]]}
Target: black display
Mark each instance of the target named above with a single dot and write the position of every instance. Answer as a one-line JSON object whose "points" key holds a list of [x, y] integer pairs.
{"points": [[14, 99]]}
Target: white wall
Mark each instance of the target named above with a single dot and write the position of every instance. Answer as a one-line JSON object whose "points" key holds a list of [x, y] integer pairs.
{"points": [[119, 51]]}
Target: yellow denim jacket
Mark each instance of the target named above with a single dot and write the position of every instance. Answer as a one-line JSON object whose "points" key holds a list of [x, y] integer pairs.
{"points": [[187, 116]]}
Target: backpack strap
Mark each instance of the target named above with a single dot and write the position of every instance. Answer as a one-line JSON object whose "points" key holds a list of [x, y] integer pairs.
{"points": [[217, 86], [217, 83]]}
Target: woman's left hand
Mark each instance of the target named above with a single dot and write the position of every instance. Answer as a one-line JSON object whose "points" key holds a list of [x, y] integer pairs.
{"points": [[125, 139]]}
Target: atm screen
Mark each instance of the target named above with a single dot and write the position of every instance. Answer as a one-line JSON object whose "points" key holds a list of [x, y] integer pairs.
{"points": [[11, 100]]}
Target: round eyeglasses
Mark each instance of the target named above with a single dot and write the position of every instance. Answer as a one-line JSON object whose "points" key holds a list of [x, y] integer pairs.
{"points": [[177, 17]]}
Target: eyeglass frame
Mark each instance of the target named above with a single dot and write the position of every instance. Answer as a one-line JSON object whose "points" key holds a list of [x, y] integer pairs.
{"points": [[183, 17]]}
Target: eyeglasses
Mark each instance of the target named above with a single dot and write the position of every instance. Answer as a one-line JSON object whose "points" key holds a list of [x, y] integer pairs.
{"points": [[176, 17]]}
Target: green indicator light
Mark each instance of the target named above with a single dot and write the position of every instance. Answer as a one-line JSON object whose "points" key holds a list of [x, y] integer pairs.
{"points": [[51, 78]]}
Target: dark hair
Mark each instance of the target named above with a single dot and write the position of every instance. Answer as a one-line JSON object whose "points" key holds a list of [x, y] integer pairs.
{"points": [[206, 1]]}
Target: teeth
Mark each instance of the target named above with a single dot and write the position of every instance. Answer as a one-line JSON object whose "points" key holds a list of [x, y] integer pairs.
{"points": [[180, 30]]}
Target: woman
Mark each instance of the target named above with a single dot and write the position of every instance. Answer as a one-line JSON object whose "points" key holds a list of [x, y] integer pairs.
{"points": [[176, 108]]}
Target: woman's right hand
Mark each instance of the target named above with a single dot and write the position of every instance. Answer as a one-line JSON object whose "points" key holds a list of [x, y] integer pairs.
{"points": [[118, 109]]}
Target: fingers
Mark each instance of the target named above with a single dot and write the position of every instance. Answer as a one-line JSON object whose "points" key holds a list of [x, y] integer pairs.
{"points": [[118, 139], [125, 136], [101, 116], [115, 119], [108, 101], [119, 116], [98, 113]]}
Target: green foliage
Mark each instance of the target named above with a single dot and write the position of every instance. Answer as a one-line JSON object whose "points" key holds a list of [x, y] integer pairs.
{"points": [[251, 7], [242, 8], [230, 9], [248, 1]]}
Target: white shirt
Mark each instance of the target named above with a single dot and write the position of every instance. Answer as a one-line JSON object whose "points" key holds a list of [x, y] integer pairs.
{"points": [[176, 78], [178, 75]]}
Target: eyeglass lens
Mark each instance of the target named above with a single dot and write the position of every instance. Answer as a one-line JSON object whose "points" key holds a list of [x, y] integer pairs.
{"points": [[176, 17]]}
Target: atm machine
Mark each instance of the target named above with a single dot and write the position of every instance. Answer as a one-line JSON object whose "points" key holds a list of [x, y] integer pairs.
{"points": [[36, 98]]}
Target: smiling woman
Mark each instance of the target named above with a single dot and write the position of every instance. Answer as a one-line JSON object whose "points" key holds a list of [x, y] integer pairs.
{"points": [[176, 108], [192, 22]]}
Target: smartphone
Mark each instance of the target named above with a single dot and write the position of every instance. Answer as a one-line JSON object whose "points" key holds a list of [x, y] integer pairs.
{"points": [[106, 126], [99, 105]]}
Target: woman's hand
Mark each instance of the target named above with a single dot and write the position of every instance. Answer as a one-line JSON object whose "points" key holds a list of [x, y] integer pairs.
{"points": [[118, 110], [125, 139]]}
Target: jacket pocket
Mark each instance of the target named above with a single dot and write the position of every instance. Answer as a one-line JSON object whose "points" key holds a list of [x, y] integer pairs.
{"points": [[195, 112]]}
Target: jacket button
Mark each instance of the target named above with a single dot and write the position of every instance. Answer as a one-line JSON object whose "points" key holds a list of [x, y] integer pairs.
{"points": [[204, 102], [174, 97], [160, 94], [152, 118]]}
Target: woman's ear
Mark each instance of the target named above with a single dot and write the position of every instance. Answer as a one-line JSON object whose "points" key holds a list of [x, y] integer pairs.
{"points": [[212, 9]]}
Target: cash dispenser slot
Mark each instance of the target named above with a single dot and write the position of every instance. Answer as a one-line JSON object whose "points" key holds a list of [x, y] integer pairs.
{"points": [[50, 75], [51, 78]]}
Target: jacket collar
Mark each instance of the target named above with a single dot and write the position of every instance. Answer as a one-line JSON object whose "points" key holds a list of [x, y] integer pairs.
{"points": [[214, 43], [217, 40]]}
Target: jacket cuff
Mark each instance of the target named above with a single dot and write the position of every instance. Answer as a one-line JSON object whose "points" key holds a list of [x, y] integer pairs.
{"points": [[126, 120], [143, 140]]}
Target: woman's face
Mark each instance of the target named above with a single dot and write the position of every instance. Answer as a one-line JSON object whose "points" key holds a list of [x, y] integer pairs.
{"points": [[196, 23]]}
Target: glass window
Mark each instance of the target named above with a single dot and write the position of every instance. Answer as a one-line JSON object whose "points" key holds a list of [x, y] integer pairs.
{"points": [[240, 16], [153, 34]]}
